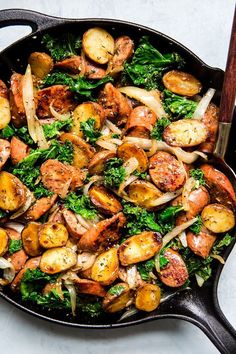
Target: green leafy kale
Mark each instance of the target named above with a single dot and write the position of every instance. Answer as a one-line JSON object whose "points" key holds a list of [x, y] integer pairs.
{"points": [[159, 128], [14, 246], [144, 268], [116, 290], [53, 130], [40, 191], [140, 175], [89, 131], [81, 205], [114, 173], [196, 227], [115, 136], [198, 175], [62, 47], [22, 133], [220, 245], [93, 309], [139, 219], [148, 65], [166, 218], [163, 261], [178, 106], [82, 87]]}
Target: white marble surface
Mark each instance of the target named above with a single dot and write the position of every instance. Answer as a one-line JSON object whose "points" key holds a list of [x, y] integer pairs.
{"points": [[204, 27]]}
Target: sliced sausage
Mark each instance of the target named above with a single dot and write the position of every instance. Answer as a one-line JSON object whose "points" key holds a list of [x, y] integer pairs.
{"points": [[73, 226], [16, 100], [124, 48], [93, 71], [32, 263], [104, 200], [166, 172], [39, 208], [59, 96], [103, 235], [90, 287], [127, 150], [202, 243], [78, 176], [97, 164], [72, 65], [141, 117], [18, 259], [211, 121], [197, 200], [19, 150], [175, 273], [4, 151]]}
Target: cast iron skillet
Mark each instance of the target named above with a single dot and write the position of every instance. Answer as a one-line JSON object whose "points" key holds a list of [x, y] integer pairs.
{"points": [[199, 305]]}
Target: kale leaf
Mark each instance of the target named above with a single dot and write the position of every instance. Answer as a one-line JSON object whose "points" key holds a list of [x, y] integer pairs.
{"points": [[22, 133], [89, 131], [144, 268], [166, 218], [53, 130], [81, 205], [62, 47], [196, 227], [159, 128], [114, 173], [116, 290], [14, 246], [198, 175], [178, 106]]}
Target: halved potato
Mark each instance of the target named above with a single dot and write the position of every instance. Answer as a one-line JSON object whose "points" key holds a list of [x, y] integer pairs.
{"points": [[12, 192], [57, 260], [148, 297], [53, 234], [30, 239], [4, 239], [127, 150], [85, 111], [41, 64], [139, 248], [106, 267], [5, 113], [181, 83], [143, 193], [218, 218], [98, 162], [185, 133], [98, 45], [117, 298], [83, 152], [104, 200]]}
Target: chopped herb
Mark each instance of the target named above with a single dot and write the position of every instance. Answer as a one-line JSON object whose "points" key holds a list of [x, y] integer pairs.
{"points": [[89, 131], [163, 261], [116, 290], [14, 246], [114, 173], [93, 309], [22, 133], [159, 128], [166, 218], [115, 136]]}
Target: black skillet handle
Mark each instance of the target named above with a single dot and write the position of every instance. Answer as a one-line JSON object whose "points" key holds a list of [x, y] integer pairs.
{"points": [[36, 20]]}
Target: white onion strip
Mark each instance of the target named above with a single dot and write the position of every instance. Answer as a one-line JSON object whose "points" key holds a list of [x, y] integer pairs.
{"points": [[92, 181], [189, 186], [203, 104], [165, 198], [72, 292], [128, 313], [15, 226], [150, 99], [8, 273], [218, 257], [112, 127], [200, 280], [106, 145], [57, 115], [125, 183], [130, 165], [83, 222], [132, 276], [35, 129], [183, 239]]}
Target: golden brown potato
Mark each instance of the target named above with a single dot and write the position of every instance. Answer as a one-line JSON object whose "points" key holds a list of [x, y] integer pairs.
{"points": [[3, 241], [143, 193], [53, 235], [30, 239], [32, 263], [220, 188], [104, 234], [182, 83], [218, 218], [117, 298], [197, 200], [166, 172], [185, 133], [16, 100], [148, 297], [98, 162], [73, 226], [175, 273], [98, 45], [18, 150], [4, 151], [41, 64], [127, 150], [106, 267], [104, 200], [139, 248], [85, 260], [39, 208], [83, 152], [57, 260], [5, 114], [211, 121], [85, 111], [12, 192], [202, 243]]}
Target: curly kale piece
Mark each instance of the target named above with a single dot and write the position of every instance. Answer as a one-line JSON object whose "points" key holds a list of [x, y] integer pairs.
{"points": [[63, 46], [81, 205], [114, 173], [159, 128], [89, 131], [178, 106]]}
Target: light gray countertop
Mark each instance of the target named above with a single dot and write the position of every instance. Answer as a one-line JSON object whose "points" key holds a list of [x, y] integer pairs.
{"points": [[203, 27]]}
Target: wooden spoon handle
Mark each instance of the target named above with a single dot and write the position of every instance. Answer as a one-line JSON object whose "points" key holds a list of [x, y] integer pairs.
{"points": [[228, 94]]}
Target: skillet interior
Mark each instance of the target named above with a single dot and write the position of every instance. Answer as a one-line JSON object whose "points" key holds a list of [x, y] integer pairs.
{"points": [[14, 58]]}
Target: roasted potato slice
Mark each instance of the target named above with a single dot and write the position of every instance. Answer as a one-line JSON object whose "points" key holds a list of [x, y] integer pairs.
{"points": [[30, 239], [185, 133], [166, 172], [104, 200], [12, 192], [73, 226], [106, 267], [218, 218], [4, 151], [148, 297], [41, 64], [5, 113], [211, 121], [220, 188], [139, 248], [98, 45], [83, 152], [85, 111], [197, 200], [175, 273], [104, 234], [143, 193], [18, 150], [32, 263], [181, 83], [98, 162], [142, 117], [53, 235], [127, 150], [201, 244], [16, 100], [57, 260], [117, 298], [39, 208], [4, 239]]}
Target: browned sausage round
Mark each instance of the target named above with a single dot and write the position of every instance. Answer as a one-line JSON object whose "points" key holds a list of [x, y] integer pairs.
{"points": [[4, 152], [211, 120], [166, 172], [16, 100], [19, 150], [3, 90], [39, 208], [141, 117], [175, 273], [202, 243], [73, 226], [124, 47], [197, 200]]}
